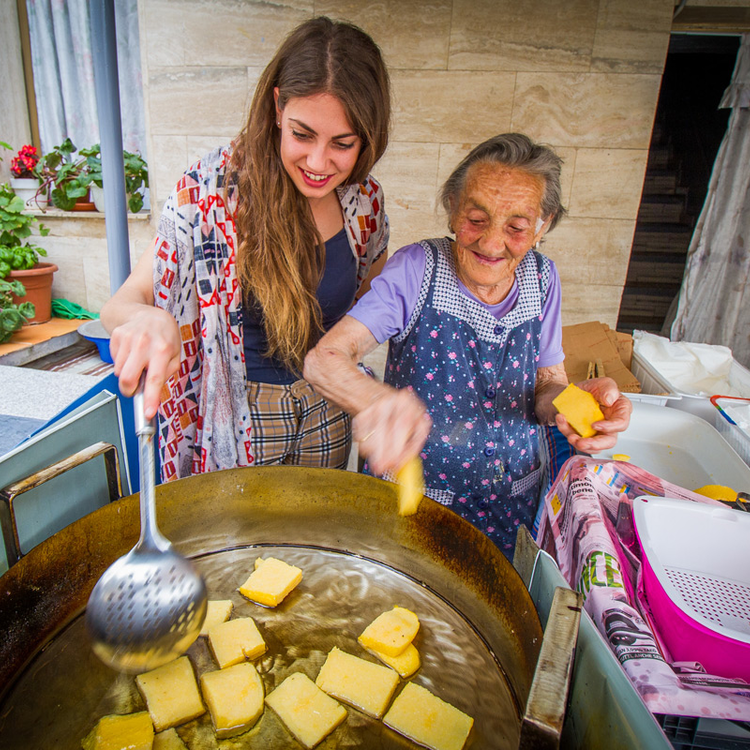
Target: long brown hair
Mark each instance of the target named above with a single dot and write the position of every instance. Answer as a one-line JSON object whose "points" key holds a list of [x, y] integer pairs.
{"points": [[281, 255]]}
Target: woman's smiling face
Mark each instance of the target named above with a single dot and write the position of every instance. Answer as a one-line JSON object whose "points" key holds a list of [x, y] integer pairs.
{"points": [[497, 221], [319, 147]]}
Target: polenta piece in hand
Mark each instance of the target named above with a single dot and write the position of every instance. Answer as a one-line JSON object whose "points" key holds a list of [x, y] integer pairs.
{"points": [[362, 684], [410, 478], [424, 718], [216, 612], [271, 581], [580, 408], [308, 713], [168, 740], [406, 663], [391, 632], [234, 697], [121, 732], [171, 694], [234, 641]]}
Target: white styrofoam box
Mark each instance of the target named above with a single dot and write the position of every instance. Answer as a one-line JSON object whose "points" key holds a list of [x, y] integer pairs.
{"points": [[654, 382], [680, 448], [737, 435]]}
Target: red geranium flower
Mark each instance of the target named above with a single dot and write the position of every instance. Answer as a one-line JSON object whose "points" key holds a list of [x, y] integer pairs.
{"points": [[23, 164]]}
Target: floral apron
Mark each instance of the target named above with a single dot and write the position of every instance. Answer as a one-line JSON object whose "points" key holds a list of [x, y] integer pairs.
{"points": [[476, 374]]}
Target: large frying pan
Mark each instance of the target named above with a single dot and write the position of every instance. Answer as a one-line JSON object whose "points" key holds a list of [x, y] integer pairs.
{"points": [[480, 634]]}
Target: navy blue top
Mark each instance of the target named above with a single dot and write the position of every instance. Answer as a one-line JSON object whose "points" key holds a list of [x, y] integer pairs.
{"points": [[335, 294]]}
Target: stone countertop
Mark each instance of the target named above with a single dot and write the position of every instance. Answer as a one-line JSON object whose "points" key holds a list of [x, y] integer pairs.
{"points": [[40, 394]]}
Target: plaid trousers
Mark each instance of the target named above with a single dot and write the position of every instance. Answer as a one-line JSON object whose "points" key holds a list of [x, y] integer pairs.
{"points": [[293, 425]]}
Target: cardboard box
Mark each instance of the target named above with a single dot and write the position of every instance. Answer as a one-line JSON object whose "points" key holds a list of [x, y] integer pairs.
{"points": [[598, 343]]}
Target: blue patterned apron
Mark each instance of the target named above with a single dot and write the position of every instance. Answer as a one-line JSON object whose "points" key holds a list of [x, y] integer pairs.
{"points": [[476, 374]]}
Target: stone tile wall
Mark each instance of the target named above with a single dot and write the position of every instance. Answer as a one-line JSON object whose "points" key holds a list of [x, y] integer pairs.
{"points": [[580, 75]]}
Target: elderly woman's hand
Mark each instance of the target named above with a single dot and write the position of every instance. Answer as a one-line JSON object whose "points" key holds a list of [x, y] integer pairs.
{"points": [[616, 409], [391, 430]]}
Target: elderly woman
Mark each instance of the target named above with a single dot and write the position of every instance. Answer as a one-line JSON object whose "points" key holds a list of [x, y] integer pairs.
{"points": [[475, 355]]}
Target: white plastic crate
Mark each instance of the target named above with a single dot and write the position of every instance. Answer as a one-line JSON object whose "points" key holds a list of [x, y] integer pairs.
{"points": [[735, 431], [653, 389]]}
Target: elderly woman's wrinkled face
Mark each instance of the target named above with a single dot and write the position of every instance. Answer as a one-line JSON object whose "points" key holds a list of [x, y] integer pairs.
{"points": [[496, 223]]}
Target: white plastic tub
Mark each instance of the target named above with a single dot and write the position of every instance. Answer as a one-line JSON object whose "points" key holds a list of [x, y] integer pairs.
{"points": [[680, 448]]}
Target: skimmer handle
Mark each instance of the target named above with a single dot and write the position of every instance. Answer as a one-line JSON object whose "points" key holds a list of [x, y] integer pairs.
{"points": [[151, 537]]}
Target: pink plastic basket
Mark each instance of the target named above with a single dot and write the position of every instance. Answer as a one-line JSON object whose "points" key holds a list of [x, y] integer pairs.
{"points": [[696, 579]]}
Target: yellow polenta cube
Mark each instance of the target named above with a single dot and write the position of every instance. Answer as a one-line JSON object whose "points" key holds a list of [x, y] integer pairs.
{"points": [[121, 732], [359, 683], [406, 663], [171, 693], [308, 713], [216, 612], [391, 632], [271, 581], [234, 641], [410, 478], [580, 408], [424, 718], [234, 697], [169, 740]]}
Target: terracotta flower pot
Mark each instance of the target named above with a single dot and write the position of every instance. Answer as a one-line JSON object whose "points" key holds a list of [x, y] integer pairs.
{"points": [[38, 284]]}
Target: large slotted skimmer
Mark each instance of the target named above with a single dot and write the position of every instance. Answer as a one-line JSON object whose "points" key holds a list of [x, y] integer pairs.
{"points": [[149, 605]]}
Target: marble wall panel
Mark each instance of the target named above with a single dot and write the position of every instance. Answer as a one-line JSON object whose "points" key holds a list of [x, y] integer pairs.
{"points": [[569, 157], [445, 106], [218, 32], [166, 164], [591, 251], [586, 110], [79, 248], [198, 100], [533, 35], [412, 34], [632, 37], [582, 303], [408, 173], [162, 34], [608, 183]]}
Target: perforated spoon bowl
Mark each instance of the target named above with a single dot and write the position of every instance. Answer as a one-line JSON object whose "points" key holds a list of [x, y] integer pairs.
{"points": [[149, 605]]}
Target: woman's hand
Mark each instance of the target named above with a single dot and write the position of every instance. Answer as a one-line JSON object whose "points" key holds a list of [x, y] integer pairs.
{"points": [[149, 341], [616, 409], [392, 429]]}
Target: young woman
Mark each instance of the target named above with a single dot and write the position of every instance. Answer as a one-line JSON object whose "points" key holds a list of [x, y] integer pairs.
{"points": [[261, 247]]}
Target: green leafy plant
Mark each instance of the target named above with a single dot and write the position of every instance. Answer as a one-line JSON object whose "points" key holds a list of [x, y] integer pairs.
{"points": [[64, 175], [136, 174], [12, 315], [16, 252]]}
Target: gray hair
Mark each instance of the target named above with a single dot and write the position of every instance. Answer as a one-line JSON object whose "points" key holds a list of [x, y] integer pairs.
{"points": [[511, 150]]}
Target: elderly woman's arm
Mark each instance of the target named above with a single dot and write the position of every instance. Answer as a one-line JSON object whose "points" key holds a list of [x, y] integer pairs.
{"points": [[550, 381], [390, 424]]}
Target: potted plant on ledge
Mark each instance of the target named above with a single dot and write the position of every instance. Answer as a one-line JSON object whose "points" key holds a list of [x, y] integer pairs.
{"points": [[22, 178], [136, 177], [65, 177], [24, 277]]}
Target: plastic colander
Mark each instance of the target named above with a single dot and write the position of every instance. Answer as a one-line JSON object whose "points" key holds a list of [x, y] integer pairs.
{"points": [[696, 579]]}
